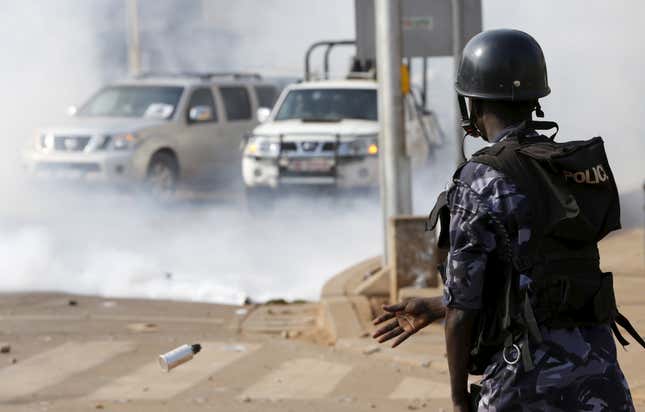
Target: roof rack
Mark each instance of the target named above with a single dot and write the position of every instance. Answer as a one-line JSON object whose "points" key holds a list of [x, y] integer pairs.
{"points": [[330, 44], [236, 75], [201, 75]]}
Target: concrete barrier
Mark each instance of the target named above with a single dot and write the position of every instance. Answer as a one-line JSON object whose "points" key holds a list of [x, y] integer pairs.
{"points": [[412, 253], [351, 298]]}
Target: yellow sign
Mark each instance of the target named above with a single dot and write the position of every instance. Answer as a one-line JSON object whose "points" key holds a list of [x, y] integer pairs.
{"points": [[405, 79]]}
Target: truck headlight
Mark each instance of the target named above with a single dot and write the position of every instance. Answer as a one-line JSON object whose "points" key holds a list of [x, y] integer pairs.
{"points": [[362, 145], [258, 146], [125, 141]]}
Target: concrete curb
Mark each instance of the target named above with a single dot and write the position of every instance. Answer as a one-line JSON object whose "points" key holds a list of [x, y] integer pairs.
{"points": [[344, 313]]}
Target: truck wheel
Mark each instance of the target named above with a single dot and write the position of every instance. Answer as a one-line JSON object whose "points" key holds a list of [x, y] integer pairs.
{"points": [[163, 173]]}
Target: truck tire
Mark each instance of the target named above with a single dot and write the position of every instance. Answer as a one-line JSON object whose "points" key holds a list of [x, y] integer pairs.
{"points": [[162, 177]]}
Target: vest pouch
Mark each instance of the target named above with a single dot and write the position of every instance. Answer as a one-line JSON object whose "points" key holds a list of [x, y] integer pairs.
{"points": [[577, 182], [583, 299], [605, 300]]}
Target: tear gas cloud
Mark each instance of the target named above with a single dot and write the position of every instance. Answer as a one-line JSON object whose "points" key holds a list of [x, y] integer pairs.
{"points": [[91, 241]]}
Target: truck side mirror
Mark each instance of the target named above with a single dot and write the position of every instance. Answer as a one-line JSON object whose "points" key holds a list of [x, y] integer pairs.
{"points": [[263, 114], [200, 114]]}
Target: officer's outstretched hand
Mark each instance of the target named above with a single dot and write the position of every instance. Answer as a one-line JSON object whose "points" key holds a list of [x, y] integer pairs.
{"points": [[409, 318]]}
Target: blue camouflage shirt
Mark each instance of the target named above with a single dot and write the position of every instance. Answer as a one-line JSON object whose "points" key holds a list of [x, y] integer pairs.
{"points": [[575, 369]]}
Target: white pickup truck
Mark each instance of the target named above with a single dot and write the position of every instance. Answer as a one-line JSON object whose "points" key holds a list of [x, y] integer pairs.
{"points": [[325, 133]]}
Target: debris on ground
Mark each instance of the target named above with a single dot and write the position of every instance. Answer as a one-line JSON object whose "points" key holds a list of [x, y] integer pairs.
{"points": [[143, 327], [72, 302], [293, 334], [416, 404], [279, 301], [235, 348], [371, 350], [5, 347]]}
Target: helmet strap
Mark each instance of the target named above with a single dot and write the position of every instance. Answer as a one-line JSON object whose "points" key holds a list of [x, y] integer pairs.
{"points": [[544, 125], [467, 122], [538, 110], [463, 147]]}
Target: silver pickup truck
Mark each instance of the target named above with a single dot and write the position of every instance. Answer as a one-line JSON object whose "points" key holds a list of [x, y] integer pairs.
{"points": [[157, 130]]}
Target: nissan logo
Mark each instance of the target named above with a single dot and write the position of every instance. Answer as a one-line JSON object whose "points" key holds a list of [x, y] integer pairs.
{"points": [[70, 144], [309, 146]]}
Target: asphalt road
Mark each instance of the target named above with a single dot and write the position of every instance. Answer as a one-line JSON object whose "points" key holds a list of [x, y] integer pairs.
{"points": [[101, 354]]}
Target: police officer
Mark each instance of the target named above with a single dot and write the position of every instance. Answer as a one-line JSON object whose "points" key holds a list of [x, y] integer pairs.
{"points": [[525, 302]]}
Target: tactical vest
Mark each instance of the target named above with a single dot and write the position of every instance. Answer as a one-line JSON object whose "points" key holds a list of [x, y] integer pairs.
{"points": [[573, 204]]}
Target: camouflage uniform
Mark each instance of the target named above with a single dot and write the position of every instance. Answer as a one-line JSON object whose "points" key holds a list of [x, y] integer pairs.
{"points": [[575, 369]]}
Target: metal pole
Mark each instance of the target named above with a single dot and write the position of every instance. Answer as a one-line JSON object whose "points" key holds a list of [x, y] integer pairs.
{"points": [[396, 198], [457, 47], [134, 49], [424, 80]]}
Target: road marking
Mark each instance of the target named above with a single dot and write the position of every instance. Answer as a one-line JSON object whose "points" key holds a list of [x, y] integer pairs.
{"points": [[151, 383], [56, 365], [415, 388], [126, 318], [299, 379]]}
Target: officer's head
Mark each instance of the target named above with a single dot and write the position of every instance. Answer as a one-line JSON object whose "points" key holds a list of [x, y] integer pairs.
{"points": [[503, 73]]}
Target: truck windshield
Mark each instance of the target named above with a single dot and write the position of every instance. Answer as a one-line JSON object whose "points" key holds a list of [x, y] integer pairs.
{"points": [[133, 101], [329, 105]]}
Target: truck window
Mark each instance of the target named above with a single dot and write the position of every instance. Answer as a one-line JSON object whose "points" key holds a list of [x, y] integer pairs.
{"points": [[266, 96], [236, 102], [329, 105], [202, 97], [131, 101]]}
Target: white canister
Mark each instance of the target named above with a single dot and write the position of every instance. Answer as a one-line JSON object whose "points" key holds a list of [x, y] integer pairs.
{"points": [[177, 356]]}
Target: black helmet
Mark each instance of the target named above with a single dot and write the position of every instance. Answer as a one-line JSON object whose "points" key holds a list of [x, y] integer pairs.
{"points": [[503, 65]]}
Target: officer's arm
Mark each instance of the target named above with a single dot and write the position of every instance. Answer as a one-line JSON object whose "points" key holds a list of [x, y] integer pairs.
{"points": [[459, 328]]}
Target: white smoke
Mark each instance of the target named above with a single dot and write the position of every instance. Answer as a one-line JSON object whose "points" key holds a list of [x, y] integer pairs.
{"points": [[90, 241], [58, 53]]}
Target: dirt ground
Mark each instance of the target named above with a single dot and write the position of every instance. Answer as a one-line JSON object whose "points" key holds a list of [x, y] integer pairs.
{"points": [[81, 353]]}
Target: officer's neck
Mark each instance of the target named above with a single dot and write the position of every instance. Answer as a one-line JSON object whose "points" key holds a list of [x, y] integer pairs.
{"points": [[494, 125]]}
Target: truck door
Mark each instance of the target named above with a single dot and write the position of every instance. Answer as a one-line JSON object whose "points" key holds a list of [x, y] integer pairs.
{"points": [[240, 120], [196, 143]]}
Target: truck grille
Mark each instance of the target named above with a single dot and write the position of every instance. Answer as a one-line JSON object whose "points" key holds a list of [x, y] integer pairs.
{"points": [[71, 143], [308, 147]]}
